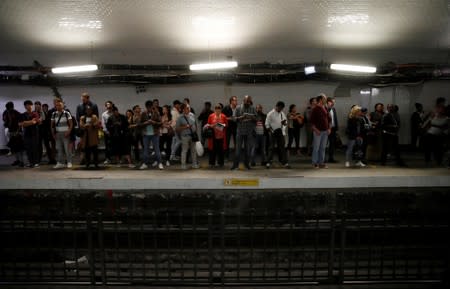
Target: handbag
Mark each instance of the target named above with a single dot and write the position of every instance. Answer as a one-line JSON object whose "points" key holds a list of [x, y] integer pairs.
{"points": [[170, 131], [194, 134], [208, 132]]}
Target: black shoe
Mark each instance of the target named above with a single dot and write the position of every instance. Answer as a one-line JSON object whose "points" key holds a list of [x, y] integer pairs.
{"points": [[233, 168], [248, 167], [15, 163], [333, 161], [52, 162], [253, 164]]}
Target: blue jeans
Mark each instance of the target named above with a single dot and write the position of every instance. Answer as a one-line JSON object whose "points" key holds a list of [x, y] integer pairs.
{"points": [[155, 141], [319, 146], [349, 153]]}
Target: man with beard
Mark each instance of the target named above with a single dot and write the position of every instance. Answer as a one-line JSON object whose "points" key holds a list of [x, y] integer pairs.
{"points": [[246, 123]]}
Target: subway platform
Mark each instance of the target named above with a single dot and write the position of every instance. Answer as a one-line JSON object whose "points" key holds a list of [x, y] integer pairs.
{"points": [[301, 176]]}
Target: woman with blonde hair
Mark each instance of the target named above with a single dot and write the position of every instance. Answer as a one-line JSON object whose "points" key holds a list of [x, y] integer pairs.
{"points": [[353, 132]]}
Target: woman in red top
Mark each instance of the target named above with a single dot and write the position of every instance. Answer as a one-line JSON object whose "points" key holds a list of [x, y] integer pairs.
{"points": [[217, 144]]}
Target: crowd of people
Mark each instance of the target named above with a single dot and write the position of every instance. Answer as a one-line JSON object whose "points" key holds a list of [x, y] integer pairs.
{"points": [[157, 136]]}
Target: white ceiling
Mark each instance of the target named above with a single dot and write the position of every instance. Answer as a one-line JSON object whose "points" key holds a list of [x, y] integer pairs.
{"points": [[251, 31]]}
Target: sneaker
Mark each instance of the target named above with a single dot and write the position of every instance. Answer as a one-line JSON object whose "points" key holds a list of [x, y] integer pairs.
{"points": [[131, 166], [106, 162], [155, 163], [267, 165], [195, 166], [160, 166], [360, 164], [58, 166], [183, 167], [143, 167], [347, 164], [36, 165], [69, 165], [167, 164], [287, 166]]}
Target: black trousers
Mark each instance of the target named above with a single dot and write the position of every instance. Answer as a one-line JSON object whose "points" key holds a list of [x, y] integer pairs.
{"points": [[91, 150], [390, 144], [278, 140], [332, 144], [216, 153]]}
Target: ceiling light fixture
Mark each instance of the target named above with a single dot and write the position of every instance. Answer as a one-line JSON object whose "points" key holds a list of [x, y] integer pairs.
{"points": [[353, 68], [213, 65], [310, 70], [80, 68]]}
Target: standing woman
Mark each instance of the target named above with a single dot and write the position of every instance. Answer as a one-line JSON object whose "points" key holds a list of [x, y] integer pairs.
{"points": [[217, 143], [167, 132], [89, 141], [295, 123], [132, 133], [117, 125], [354, 134]]}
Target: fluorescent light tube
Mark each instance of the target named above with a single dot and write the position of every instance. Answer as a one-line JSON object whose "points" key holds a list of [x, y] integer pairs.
{"points": [[353, 68], [310, 70], [213, 65], [80, 68]]}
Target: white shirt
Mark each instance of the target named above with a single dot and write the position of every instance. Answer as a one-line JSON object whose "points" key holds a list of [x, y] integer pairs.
{"points": [[105, 115], [274, 119]]}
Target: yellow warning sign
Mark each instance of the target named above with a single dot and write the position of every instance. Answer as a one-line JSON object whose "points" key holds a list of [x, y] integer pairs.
{"points": [[241, 182]]}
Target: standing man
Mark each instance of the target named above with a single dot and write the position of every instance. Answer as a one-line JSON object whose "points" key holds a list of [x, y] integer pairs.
{"points": [[85, 102], [230, 112], [261, 133], [246, 123], [334, 128], [11, 119], [390, 127], [203, 117], [62, 125], [320, 124], [417, 119], [81, 110], [176, 141], [30, 121], [276, 124]]}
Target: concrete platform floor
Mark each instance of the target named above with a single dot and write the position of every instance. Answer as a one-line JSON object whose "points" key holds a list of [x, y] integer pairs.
{"points": [[301, 176]]}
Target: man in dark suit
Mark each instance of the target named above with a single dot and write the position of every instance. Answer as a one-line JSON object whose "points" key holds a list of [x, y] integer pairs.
{"points": [[334, 128]]}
